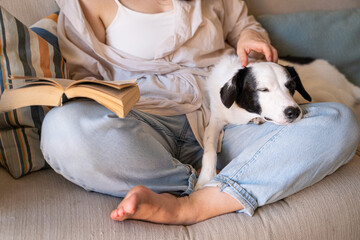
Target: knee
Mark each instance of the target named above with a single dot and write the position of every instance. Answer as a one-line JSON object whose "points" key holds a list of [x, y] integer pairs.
{"points": [[343, 122], [336, 125], [58, 119], [77, 129], [59, 124], [67, 130], [56, 132]]}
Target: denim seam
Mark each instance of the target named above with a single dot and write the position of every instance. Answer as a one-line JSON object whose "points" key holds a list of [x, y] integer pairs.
{"points": [[256, 155], [247, 197], [180, 141], [152, 124], [156, 127]]}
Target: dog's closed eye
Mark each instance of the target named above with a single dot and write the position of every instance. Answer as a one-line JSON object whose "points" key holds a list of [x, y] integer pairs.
{"points": [[263, 90]]}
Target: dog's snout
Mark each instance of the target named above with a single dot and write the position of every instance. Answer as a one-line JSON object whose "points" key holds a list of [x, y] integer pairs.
{"points": [[292, 113]]}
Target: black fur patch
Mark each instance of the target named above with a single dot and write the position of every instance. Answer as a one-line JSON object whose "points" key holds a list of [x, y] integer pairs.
{"points": [[298, 60], [241, 89], [291, 85], [233, 87], [249, 98], [298, 85]]}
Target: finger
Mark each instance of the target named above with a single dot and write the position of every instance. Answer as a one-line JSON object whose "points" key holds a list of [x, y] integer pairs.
{"points": [[263, 48], [266, 50], [275, 56], [243, 57]]}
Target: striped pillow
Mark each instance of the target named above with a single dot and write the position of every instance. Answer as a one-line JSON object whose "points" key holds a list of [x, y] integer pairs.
{"points": [[23, 52], [47, 29]]}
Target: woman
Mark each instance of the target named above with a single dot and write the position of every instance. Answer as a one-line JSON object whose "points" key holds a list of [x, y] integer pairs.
{"points": [[151, 156]]}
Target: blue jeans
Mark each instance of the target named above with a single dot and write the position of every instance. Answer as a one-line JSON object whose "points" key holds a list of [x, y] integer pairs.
{"points": [[90, 146]]}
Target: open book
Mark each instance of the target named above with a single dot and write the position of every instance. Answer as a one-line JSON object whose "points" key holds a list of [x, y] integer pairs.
{"points": [[118, 96]]}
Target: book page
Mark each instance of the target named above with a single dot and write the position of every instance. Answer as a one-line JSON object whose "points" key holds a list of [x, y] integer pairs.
{"points": [[67, 83], [118, 101], [56, 82], [114, 84], [115, 95], [23, 97]]}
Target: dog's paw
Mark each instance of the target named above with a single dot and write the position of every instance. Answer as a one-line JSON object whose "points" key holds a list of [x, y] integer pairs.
{"points": [[257, 120], [205, 177]]}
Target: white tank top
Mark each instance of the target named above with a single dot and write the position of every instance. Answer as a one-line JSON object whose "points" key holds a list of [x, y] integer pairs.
{"points": [[139, 34]]}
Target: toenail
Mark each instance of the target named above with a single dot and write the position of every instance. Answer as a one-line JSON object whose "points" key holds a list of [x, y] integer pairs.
{"points": [[114, 214]]}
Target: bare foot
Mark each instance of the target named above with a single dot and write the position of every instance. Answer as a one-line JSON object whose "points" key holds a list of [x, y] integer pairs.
{"points": [[143, 204]]}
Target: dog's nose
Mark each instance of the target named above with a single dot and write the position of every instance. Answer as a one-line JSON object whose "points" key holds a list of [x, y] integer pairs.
{"points": [[292, 113]]}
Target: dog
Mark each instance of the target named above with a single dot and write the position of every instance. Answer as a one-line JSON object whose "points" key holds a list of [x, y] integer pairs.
{"points": [[239, 94], [267, 92]]}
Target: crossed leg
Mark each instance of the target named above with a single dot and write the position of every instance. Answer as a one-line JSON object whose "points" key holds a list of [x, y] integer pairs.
{"points": [[309, 161]]}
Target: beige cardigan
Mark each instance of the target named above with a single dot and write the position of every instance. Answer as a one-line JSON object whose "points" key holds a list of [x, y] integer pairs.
{"points": [[169, 85]]}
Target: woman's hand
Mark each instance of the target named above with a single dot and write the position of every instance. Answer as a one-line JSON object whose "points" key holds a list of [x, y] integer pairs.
{"points": [[251, 40]]}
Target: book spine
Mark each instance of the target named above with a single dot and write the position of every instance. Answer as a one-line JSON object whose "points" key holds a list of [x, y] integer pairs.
{"points": [[64, 99]]}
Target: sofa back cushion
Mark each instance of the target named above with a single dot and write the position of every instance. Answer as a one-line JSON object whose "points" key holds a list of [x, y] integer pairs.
{"points": [[330, 35]]}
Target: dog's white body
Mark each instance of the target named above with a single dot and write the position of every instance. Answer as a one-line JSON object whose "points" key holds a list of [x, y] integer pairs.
{"points": [[323, 82], [220, 116]]}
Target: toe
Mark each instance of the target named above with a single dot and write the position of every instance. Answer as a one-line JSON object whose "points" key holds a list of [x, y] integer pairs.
{"points": [[114, 214]]}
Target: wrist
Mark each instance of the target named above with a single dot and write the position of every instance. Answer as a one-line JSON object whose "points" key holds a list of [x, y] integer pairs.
{"points": [[250, 34]]}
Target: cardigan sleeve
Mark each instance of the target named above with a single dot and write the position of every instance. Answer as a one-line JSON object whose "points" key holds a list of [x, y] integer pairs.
{"points": [[236, 19]]}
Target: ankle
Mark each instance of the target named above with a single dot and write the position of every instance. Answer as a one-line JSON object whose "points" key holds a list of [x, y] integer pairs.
{"points": [[207, 203], [189, 211]]}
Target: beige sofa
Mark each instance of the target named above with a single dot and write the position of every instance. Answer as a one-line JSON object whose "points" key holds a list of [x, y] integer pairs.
{"points": [[43, 205]]}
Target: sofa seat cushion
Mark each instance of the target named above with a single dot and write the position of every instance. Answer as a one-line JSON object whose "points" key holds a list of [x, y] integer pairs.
{"points": [[329, 209]]}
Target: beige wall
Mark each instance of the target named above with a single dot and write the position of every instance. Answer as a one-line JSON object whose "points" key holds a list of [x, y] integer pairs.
{"points": [[260, 7], [29, 11]]}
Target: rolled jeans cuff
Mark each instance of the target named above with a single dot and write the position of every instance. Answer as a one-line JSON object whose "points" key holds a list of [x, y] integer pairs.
{"points": [[235, 190], [191, 183]]}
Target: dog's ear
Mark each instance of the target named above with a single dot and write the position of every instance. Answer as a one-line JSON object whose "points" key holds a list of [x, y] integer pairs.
{"points": [[299, 87], [233, 88]]}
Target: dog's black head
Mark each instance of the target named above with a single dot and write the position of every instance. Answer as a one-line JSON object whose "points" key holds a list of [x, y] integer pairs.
{"points": [[265, 89]]}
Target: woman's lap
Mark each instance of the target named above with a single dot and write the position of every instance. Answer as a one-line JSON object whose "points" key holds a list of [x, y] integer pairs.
{"points": [[91, 147], [266, 163]]}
